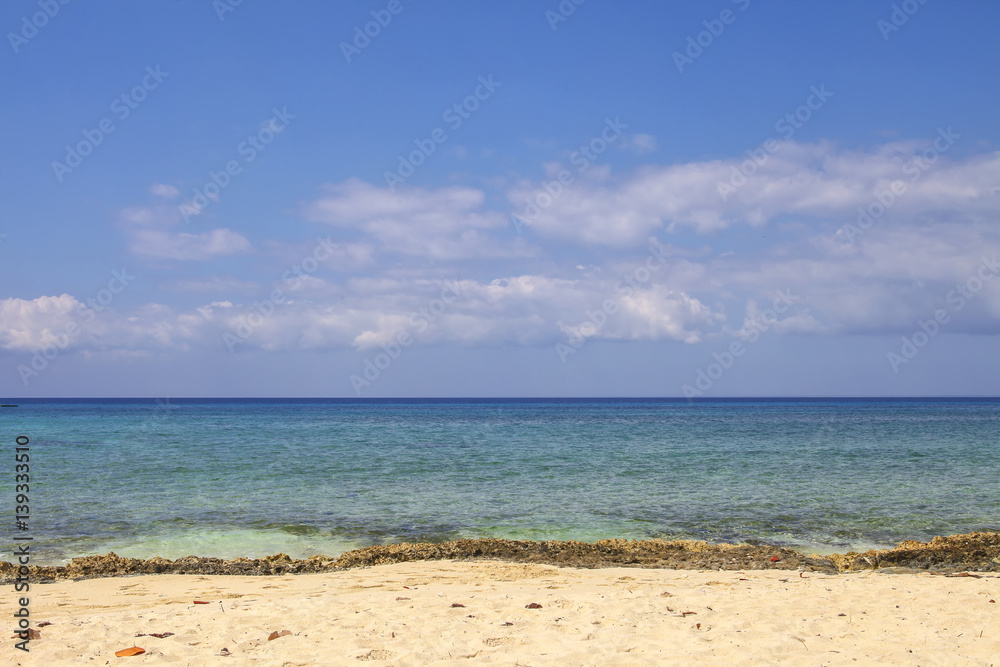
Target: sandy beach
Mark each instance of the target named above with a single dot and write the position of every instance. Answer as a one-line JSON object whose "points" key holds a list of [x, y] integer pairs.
{"points": [[458, 613]]}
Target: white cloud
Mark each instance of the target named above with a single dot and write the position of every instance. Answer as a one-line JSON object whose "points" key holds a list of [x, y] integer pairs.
{"points": [[67, 324], [217, 284], [899, 271], [149, 229], [814, 180], [885, 285], [165, 191], [526, 310], [185, 246], [36, 323], [654, 314], [340, 257], [639, 143], [899, 274], [445, 223]]}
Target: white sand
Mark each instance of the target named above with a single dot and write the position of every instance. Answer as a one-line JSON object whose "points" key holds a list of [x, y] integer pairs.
{"points": [[403, 615]]}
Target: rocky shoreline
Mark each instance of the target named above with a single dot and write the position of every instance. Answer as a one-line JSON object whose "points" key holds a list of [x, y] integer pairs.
{"points": [[971, 552]]}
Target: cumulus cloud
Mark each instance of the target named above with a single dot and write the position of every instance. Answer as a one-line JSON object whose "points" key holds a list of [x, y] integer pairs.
{"points": [[817, 181], [165, 191], [151, 232], [66, 323], [184, 246], [36, 323], [898, 275], [883, 287], [654, 314], [934, 237], [525, 309], [443, 223], [639, 143]]}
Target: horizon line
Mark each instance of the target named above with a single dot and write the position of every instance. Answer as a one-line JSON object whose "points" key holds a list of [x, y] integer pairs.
{"points": [[499, 398]]}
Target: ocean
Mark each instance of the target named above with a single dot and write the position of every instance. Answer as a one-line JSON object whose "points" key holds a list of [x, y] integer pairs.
{"points": [[254, 477]]}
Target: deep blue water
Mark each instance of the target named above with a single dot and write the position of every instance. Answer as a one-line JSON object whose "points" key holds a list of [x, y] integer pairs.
{"points": [[252, 477]]}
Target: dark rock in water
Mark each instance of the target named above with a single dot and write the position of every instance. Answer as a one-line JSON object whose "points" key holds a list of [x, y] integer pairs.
{"points": [[978, 552], [113, 565], [680, 555]]}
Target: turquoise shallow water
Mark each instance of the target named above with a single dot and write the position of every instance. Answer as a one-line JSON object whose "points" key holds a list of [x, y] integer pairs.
{"points": [[256, 477]]}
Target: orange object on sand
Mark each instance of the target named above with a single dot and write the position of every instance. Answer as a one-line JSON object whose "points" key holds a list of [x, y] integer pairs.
{"points": [[125, 652]]}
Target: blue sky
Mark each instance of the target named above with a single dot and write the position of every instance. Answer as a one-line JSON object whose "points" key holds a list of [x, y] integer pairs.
{"points": [[499, 199]]}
